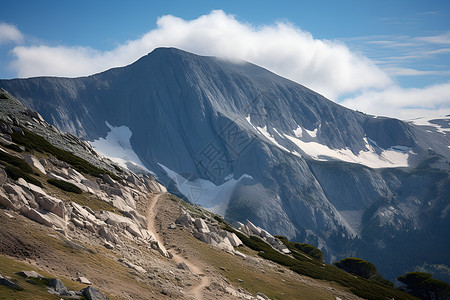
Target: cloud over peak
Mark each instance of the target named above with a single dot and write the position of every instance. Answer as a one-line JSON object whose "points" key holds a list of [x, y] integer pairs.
{"points": [[328, 67]]}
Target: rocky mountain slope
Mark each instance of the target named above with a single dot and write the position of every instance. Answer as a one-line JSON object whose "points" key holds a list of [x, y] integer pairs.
{"points": [[76, 227], [248, 144]]}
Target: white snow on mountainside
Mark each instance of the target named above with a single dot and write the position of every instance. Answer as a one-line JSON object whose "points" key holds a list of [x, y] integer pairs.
{"points": [[205, 193], [442, 125], [116, 146], [396, 156]]}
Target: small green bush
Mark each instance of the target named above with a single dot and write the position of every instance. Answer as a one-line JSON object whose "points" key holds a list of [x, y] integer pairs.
{"points": [[16, 162], [357, 266], [423, 285], [65, 186], [16, 173], [13, 147]]}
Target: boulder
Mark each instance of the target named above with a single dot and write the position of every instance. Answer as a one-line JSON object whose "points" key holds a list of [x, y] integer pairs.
{"points": [[91, 184], [58, 286], [110, 181], [24, 196], [77, 222], [185, 219], [225, 245], [51, 204], [34, 189], [240, 254], [48, 219], [75, 175], [114, 219], [161, 249], [93, 294], [34, 162], [136, 217], [6, 202], [254, 229], [108, 235], [200, 225], [8, 283], [119, 203], [147, 235], [234, 240], [134, 230], [84, 280], [29, 274]]}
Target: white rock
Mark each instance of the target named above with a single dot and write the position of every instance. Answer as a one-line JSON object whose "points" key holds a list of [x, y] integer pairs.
{"points": [[240, 254], [256, 230], [34, 162], [6, 202], [200, 224], [84, 280], [49, 219], [234, 240], [134, 230], [51, 204]]}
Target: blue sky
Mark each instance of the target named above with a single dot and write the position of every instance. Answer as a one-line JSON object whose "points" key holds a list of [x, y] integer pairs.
{"points": [[382, 57]]}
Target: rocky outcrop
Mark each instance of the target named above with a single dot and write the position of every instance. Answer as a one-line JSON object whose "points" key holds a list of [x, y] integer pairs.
{"points": [[34, 162], [252, 229], [208, 231]]}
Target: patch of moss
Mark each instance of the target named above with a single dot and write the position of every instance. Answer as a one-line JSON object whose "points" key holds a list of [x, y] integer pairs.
{"points": [[65, 186]]}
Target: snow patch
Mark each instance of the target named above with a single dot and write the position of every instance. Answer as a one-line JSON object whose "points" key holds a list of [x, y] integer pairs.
{"points": [[204, 192], [264, 132], [392, 157], [313, 133], [426, 122], [298, 132], [116, 146]]}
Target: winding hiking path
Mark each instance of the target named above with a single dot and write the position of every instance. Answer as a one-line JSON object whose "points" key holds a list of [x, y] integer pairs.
{"points": [[195, 290]]}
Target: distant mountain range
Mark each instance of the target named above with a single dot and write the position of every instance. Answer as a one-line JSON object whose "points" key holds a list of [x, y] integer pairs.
{"points": [[248, 144]]}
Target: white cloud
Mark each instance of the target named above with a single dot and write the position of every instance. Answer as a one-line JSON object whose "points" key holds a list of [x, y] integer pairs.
{"points": [[404, 103], [9, 33], [328, 67]]}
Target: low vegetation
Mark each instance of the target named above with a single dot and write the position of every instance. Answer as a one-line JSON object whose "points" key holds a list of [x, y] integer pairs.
{"points": [[17, 168], [315, 268], [305, 248], [65, 186], [424, 286]]}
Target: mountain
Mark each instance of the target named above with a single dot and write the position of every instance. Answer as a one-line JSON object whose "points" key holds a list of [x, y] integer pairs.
{"points": [[248, 144], [83, 228]]}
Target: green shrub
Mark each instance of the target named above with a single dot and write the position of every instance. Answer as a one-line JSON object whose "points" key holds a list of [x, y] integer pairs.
{"points": [[65, 186], [16, 162], [13, 147], [16, 173], [357, 266], [317, 269], [423, 285], [305, 248]]}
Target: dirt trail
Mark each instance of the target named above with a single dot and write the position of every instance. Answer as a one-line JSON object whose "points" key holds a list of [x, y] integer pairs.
{"points": [[196, 290]]}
